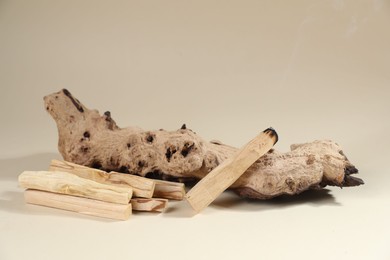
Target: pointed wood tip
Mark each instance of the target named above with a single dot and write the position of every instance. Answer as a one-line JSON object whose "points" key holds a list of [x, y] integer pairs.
{"points": [[350, 181]]}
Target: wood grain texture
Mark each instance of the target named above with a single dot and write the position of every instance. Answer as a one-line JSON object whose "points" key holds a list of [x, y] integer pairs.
{"points": [[77, 204], [142, 187], [222, 177], [70, 184]]}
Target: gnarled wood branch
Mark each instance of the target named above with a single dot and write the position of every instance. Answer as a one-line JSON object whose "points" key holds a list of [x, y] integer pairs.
{"points": [[94, 140]]}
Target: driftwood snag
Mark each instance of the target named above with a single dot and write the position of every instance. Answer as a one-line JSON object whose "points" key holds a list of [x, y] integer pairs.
{"points": [[94, 140], [70, 184], [77, 204], [225, 174]]}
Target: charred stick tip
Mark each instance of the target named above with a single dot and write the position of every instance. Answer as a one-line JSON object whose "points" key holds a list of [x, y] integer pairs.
{"points": [[183, 126], [272, 133]]}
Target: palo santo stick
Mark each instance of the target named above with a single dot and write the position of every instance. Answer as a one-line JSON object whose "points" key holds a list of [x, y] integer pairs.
{"points": [[153, 205], [79, 170], [142, 187], [169, 190], [219, 179], [78, 204], [70, 184]]}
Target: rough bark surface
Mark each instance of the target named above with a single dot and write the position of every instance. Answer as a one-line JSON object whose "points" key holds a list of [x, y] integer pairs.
{"points": [[94, 140]]}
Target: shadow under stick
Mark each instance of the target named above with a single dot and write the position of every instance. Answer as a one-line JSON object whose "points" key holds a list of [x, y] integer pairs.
{"points": [[224, 175]]}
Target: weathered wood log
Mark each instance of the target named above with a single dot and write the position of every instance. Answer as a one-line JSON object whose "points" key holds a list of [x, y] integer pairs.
{"points": [[87, 138], [225, 174], [142, 187], [152, 205], [78, 204], [70, 184], [169, 190]]}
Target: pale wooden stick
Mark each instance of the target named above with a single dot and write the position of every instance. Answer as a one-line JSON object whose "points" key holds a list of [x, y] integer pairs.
{"points": [[169, 190], [219, 179], [142, 187], [78, 204], [79, 170], [153, 205], [70, 184]]}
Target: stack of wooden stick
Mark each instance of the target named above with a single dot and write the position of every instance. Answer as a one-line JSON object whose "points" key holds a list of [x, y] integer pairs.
{"points": [[95, 192]]}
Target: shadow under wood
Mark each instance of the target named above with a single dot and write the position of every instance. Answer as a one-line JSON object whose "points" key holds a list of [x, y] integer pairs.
{"points": [[230, 201], [179, 209], [11, 168], [12, 201]]}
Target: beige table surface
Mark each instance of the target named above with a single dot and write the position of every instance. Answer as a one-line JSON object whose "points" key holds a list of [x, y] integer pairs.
{"points": [[228, 69]]}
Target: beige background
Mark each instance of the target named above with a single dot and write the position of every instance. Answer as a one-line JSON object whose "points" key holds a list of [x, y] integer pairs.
{"points": [[228, 69]]}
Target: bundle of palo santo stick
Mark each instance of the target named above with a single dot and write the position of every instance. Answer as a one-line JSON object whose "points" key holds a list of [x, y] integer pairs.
{"points": [[95, 192]]}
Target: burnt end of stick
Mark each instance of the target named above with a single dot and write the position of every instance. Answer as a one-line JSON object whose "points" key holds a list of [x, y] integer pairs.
{"points": [[183, 126], [272, 133]]}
